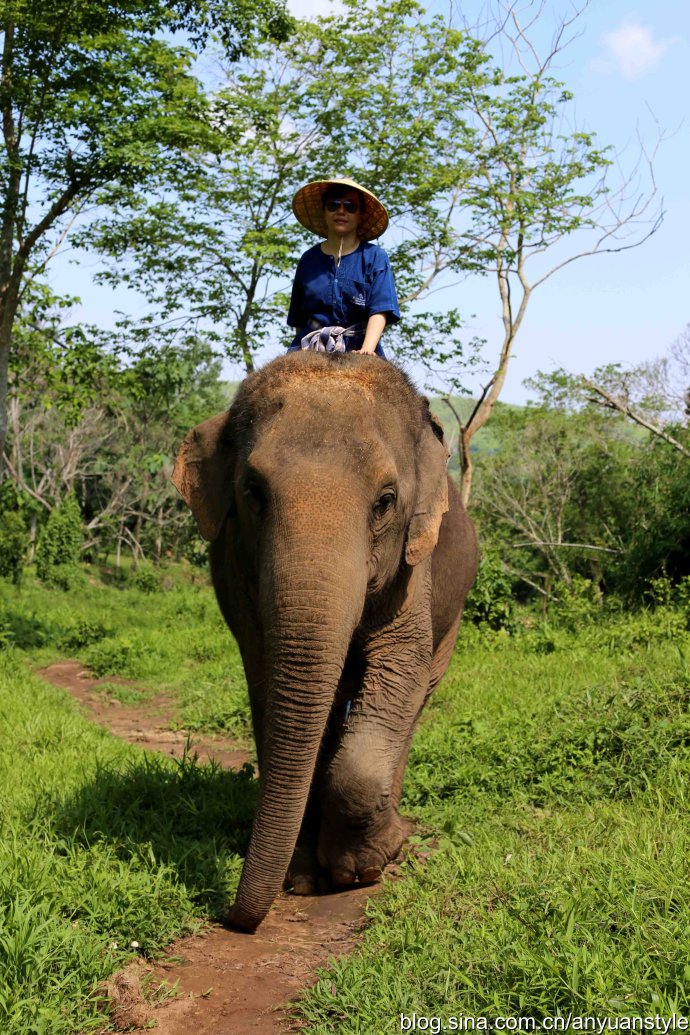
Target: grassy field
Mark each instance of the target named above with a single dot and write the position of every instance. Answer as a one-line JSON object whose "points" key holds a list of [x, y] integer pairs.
{"points": [[550, 774], [170, 637]]}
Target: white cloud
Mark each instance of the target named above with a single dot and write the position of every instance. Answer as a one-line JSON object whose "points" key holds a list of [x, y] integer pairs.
{"points": [[632, 51], [313, 8]]}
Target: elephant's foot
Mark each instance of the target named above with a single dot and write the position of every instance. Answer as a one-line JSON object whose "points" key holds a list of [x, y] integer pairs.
{"points": [[361, 854], [303, 875]]}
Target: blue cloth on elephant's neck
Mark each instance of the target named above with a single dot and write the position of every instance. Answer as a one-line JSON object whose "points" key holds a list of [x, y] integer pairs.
{"points": [[325, 294]]}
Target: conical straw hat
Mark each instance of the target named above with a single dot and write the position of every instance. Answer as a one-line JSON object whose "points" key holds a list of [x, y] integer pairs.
{"points": [[307, 205]]}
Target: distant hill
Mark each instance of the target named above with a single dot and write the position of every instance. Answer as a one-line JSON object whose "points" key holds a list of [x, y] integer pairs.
{"points": [[229, 389], [485, 441]]}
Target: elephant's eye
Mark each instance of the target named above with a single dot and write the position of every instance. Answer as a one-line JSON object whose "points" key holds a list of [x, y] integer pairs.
{"points": [[384, 503], [255, 495]]}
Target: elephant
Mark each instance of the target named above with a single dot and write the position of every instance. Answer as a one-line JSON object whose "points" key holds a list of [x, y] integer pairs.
{"points": [[341, 556]]}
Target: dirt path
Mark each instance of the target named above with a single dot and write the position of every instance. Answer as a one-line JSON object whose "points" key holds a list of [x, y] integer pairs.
{"points": [[142, 724], [228, 983]]}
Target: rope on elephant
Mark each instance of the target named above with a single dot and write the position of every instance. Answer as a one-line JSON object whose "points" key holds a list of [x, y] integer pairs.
{"points": [[328, 339]]}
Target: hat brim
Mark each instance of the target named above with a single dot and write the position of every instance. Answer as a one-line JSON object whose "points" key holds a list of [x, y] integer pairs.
{"points": [[307, 205]]}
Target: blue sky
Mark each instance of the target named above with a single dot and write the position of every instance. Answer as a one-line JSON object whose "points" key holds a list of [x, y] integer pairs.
{"points": [[629, 72]]}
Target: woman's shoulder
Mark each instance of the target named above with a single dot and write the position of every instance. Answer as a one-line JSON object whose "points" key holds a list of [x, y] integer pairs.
{"points": [[312, 253], [374, 254], [310, 263]]}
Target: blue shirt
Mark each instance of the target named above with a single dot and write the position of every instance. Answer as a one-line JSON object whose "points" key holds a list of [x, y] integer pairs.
{"points": [[326, 295]]}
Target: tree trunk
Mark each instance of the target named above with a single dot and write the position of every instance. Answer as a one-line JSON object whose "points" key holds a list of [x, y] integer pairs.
{"points": [[158, 543], [4, 387], [32, 537], [9, 295], [136, 543]]}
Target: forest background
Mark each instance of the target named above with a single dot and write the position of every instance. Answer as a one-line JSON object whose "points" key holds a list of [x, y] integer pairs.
{"points": [[167, 144]]}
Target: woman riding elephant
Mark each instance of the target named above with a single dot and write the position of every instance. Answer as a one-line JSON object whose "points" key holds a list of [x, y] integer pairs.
{"points": [[341, 557], [343, 293]]}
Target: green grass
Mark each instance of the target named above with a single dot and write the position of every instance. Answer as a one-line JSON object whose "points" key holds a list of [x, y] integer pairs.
{"points": [[556, 787], [100, 846], [550, 774], [124, 693], [173, 640]]}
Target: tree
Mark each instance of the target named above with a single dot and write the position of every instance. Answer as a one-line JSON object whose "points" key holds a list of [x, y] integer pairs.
{"points": [[162, 391], [95, 99], [622, 405], [484, 174], [365, 95], [554, 500], [654, 395], [477, 165], [58, 380], [211, 256], [534, 183], [59, 545], [99, 421], [574, 490]]}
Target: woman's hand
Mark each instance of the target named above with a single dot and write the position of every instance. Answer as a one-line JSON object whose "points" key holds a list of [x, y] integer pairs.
{"points": [[375, 327]]}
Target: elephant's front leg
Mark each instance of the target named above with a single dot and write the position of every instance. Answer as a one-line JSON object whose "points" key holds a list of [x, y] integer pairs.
{"points": [[303, 873], [361, 829], [305, 876]]}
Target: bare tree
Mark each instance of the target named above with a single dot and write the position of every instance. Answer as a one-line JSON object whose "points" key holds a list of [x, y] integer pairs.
{"points": [[654, 394], [538, 193], [622, 405]]}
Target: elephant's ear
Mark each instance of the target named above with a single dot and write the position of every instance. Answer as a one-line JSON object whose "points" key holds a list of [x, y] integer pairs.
{"points": [[432, 491], [203, 473]]}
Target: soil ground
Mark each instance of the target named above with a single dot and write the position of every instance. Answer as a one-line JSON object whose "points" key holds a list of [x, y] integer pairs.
{"points": [[226, 983]]}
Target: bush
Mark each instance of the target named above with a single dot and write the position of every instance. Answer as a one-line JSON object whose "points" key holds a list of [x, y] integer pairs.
{"points": [[146, 579], [83, 634], [117, 657], [65, 576], [14, 538], [59, 545], [25, 631], [491, 601], [195, 551], [13, 545], [663, 593], [577, 605]]}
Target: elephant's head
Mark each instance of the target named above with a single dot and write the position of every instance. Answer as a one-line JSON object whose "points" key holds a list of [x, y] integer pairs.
{"points": [[323, 486]]}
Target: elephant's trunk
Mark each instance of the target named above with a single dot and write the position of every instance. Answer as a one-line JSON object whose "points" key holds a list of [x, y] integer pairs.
{"points": [[311, 609]]}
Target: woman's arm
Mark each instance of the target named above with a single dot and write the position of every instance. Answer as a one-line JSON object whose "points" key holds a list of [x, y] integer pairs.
{"points": [[296, 315], [375, 327]]}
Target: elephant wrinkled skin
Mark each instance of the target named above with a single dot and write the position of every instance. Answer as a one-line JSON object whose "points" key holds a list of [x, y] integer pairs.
{"points": [[341, 557]]}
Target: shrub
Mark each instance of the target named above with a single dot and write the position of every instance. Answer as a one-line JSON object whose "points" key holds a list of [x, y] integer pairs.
{"points": [[13, 545], [490, 601], [65, 576], [664, 593], [83, 634], [577, 605], [195, 551], [59, 544], [146, 579], [117, 657], [14, 538], [24, 630]]}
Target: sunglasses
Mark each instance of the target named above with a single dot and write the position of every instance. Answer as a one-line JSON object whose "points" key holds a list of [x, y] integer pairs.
{"points": [[333, 204]]}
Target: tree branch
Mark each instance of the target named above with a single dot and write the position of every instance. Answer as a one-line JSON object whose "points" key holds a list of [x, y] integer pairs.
{"points": [[617, 404], [573, 546]]}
